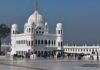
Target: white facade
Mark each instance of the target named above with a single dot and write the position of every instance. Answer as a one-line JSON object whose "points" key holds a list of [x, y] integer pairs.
{"points": [[85, 49], [36, 36]]}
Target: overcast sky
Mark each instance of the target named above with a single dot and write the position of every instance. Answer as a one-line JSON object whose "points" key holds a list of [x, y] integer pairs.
{"points": [[81, 18]]}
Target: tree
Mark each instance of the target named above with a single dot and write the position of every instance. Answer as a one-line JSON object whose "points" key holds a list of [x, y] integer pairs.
{"points": [[4, 32]]}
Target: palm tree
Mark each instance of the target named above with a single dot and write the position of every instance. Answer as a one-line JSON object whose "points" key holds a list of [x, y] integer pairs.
{"points": [[4, 32]]}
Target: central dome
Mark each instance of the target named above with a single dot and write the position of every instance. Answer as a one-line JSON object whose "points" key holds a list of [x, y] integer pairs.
{"points": [[36, 19]]}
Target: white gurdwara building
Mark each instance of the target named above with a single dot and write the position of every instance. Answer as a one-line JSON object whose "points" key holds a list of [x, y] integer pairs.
{"points": [[36, 36]]}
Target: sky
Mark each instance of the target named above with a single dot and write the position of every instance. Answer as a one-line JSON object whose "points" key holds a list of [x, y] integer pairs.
{"points": [[80, 18]]}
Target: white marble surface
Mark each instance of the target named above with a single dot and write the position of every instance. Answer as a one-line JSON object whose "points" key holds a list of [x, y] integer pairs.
{"points": [[48, 64]]}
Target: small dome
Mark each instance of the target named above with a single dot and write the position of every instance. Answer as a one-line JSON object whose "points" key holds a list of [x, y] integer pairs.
{"points": [[59, 25], [32, 19], [14, 26], [25, 24]]}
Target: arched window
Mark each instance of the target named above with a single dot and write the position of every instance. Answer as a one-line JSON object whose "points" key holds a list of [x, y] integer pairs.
{"points": [[58, 43], [84, 49], [49, 42], [61, 43], [38, 41], [29, 43], [32, 29], [41, 41], [87, 50], [36, 32], [45, 42], [92, 49], [58, 31], [26, 42], [52, 42], [32, 43], [29, 30]]}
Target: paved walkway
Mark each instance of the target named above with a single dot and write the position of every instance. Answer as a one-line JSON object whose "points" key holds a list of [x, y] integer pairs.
{"points": [[48, 64]]}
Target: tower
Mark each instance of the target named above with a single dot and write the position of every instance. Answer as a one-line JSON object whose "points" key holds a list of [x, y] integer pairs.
{"points": [[14, 31], [59, 40], [59, 34], [46, 28]]}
